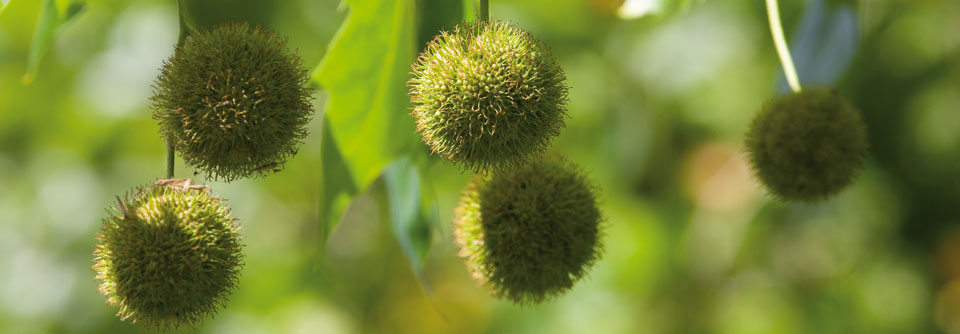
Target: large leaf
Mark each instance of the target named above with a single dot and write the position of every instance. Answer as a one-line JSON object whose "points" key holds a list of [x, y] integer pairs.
{"points": [[367, 122], [365, 72], [49, 24]]}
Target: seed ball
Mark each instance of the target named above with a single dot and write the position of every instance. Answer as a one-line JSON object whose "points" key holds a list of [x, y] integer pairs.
{"points": [[807, 146], [168, 255], [531, 233], [487, 96], [233, 101]]}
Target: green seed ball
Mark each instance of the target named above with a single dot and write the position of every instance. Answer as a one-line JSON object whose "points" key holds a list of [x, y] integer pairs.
{"points": [[531, 233], [168, 255], [807, 146], [488, 96], [233, 101]]}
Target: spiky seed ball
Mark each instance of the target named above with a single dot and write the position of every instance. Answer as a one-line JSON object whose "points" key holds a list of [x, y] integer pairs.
{"points": [[168, 255], [487, 96], [530, 233], [233, 101], [807, 146]]}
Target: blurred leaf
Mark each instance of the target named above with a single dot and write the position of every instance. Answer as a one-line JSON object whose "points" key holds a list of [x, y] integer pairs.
{"points": [[3, 5], [410, 204], [824, 44], [365, 72], [407, 218], [336, 184], [366, 121], [49, 24]]}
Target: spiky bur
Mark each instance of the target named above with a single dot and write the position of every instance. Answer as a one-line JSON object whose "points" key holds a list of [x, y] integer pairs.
{"points": [[487, 96], [233, 101], [168, 255], [807, 146], [529, 234]]}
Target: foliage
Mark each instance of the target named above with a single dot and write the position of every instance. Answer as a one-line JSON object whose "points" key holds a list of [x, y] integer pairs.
{"points": [[364, 72], [233, 101], [168, 255], [365, 127], [49, 24]]}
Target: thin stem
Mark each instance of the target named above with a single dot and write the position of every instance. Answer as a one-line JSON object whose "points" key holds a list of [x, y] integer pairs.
{"points": [[773, 16], [187, 25], [185, 30], [484, 10], [170, 156]]}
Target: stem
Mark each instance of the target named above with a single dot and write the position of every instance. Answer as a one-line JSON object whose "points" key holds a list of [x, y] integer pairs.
{"points": [[185, 30], [186, 22], [170, 156], [484, 10], [773, 15]]}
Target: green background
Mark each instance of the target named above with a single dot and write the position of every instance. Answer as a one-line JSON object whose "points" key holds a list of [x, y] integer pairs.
{"points": [[658, 106]]}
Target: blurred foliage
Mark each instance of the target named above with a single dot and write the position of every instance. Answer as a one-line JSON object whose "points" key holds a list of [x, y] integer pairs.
{"points": [[658, 103], [49, 24]]}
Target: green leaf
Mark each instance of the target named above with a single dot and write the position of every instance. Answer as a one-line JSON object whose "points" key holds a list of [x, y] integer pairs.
{"points": [[409, 203], [336, 184], [49, 24], [365, 71], [410, 224]]}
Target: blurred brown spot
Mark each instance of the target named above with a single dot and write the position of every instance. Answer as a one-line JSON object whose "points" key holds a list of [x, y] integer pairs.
{"points": [[717, 176], [948, 255], [947, 311]]}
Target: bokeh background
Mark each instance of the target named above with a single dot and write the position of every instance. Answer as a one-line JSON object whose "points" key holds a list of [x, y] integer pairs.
{"points": [[661, 94]]}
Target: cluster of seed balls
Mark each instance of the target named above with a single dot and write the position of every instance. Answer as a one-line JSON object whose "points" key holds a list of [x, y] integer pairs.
{"points": [[232, 101], [489, 97]]}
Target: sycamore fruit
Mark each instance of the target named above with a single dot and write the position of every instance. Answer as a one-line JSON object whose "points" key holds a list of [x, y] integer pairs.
{"points": [[168, 255], [232, 101], [807, 146], [529, 234], [488, 96]]}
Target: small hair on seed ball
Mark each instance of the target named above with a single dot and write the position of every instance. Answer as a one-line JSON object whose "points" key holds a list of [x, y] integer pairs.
{"points": [[488, 96], [232, 100], [807, 146], [168, 255], [529, 234]]}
